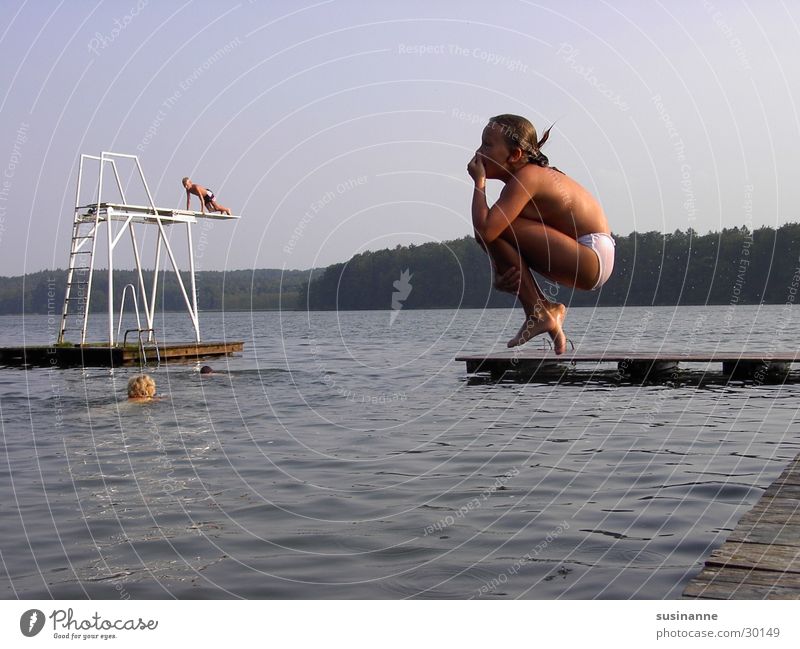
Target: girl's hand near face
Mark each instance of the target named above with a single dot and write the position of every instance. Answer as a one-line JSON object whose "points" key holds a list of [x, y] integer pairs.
{"points": [[477, 171]]}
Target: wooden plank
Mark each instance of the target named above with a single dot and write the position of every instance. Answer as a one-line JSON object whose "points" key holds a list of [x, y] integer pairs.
{"points": [[739, 589], [92, 355], [752, 519], [730, 575], [793, 479], [184, 349], [743, 590], [784, 490], [786, 506], [792, 469], [69, 356], [638, 366], [760, 514], [763, 556], [773, 533], [790, 476], [616, 356]]}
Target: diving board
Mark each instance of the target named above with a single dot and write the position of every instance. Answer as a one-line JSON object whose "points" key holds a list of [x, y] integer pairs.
{"points": [[145, 214], [531, 362]]}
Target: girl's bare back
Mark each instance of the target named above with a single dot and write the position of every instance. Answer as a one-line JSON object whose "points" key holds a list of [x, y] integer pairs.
{"points": [[560, 202]]}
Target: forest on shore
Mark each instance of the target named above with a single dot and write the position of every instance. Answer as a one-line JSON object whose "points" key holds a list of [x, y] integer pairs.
{"points": [[734, 266]]}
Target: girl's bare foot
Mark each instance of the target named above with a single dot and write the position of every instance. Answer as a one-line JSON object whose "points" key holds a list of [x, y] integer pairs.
{"points": [[548, 320]]}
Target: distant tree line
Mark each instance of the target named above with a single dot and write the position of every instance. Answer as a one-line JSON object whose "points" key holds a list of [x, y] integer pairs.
{"points": [[238, 290], [734, 266]]}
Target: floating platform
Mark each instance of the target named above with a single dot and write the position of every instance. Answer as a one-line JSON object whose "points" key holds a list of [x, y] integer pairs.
{"points": [[526, 363], [102, 355], [761, 557]]}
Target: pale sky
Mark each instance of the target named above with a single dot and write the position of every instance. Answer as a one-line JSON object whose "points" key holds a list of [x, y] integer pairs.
{"points": [[341, 126]]}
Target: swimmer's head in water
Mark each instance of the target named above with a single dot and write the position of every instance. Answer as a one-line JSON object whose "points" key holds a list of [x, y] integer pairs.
{"points": [[519, 133], [141, 387], [206, 370]]}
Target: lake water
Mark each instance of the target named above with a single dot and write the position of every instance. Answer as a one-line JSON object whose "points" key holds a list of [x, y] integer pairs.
{"points": [[341, 456]]}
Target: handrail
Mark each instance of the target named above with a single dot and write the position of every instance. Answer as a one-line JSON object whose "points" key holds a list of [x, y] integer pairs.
{"points": [[122, 308], [140, 331], [142, 353]]}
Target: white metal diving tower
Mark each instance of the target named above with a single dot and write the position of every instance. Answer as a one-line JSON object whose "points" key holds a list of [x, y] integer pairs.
{"points": [[88, 220]]}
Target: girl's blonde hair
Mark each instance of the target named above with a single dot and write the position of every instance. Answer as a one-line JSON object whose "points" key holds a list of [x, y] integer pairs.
{"points": [[141, 387], [521, 133]]}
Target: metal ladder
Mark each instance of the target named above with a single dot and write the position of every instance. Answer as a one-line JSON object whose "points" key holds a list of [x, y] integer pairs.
{"points": [[151, 333], [75, 314], [142, 352]]}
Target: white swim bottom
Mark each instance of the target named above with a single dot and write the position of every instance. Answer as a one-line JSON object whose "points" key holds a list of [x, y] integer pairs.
{"points": [[603, 246]]}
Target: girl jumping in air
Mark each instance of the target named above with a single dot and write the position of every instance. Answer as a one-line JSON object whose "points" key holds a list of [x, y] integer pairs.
{"points": [[543, 221]]}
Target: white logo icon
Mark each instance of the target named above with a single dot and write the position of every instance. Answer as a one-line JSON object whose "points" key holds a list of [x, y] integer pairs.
{"points": [[31, 622], [402, 290]]}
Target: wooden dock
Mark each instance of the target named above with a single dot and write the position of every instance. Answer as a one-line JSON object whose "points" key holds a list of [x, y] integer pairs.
{"points": [[541, 363], [761, 557], [102, 355]]}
